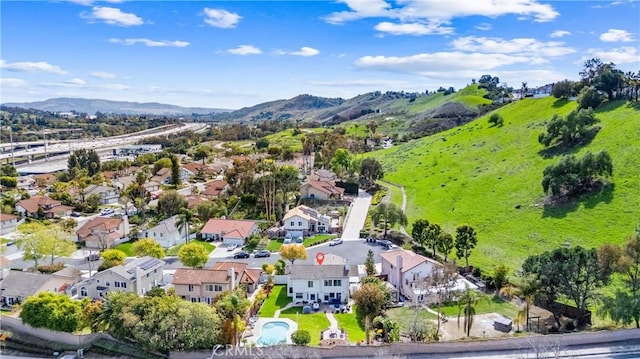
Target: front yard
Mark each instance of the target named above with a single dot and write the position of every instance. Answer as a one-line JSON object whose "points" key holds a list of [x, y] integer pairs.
{"points": [[173, 251], [275, 244]]}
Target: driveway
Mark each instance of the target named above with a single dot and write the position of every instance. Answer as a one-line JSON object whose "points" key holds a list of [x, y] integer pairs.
{"points": [[356, 217]]}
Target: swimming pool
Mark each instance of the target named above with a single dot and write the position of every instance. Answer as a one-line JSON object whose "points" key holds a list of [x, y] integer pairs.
{"points": [[273, 333]]}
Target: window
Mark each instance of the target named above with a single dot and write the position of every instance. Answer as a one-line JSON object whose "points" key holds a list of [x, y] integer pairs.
{"points": [[337, 282], [190, 287], [298, 295], [194, 300], [326, 298], [327, 282], [107, 284], [299, 224], [293, 223], [217, 288], [332, 295], [310, 284], [208, 287], [290, 290], [124, 284], [147, 275], [312, 297], [83, 292], [209, 300]]}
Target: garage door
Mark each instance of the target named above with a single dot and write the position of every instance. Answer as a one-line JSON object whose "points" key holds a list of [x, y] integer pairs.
{"points": [[237, 241]]}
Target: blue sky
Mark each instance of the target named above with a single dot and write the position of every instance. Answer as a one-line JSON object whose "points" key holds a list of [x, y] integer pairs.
{"points": [[240, 53]]}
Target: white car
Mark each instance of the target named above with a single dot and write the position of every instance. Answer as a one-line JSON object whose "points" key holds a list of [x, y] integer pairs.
{"points": [[335, 241], [232, 247]]}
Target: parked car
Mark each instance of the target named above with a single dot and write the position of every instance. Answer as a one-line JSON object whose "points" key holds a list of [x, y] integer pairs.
{"points": [[299, 239], [287, 238], [386, 244], [106, 212], [75, 214], [262, 253], [232, 247], [335, 241], [241, 254], [93, 257]]}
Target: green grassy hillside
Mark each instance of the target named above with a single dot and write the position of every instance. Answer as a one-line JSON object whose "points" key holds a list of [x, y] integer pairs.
{"points": [[489, 177], [470, 96]]}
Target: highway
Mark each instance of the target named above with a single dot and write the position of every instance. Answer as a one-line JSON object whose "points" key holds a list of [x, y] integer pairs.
{"points": [[98, 143]]}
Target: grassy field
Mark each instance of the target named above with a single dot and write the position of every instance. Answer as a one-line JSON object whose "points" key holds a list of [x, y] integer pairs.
{"points": [[349, 323], [405, 316], [313, 322], [471, 96], [275, 244], [489, 177], [486, 304], [287, 139], [276, 300]]}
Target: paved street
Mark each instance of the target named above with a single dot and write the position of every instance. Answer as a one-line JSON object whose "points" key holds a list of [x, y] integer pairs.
{"points": [[356, 217]]}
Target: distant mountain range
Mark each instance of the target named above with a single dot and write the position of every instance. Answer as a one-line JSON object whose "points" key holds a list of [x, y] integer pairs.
{"points": [[91, 106]]}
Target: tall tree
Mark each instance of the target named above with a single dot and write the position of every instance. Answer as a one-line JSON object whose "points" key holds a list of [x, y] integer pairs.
{"points": [[176, 178], [370, 171], [52, 311], [419, 232], [466, 309], [341, 160], [465, 241], [171, 203], [193, 255], [445, 244], [389, 214], [370, 299], [233, 306], [148, 247], [185, 220], [433, 234], [568, 130], [38, 241], [369, 263], [293, 252], [573, 175]]}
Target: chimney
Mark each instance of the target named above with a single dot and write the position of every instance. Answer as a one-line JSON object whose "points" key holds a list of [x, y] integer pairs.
{"points": [[232, 278], [139, 286], [399, 271], [346, 266]]}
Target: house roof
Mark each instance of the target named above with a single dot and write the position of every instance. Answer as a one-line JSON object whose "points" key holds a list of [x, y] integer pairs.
{"points": [[60, 208], [198, 276], [195, 168], [193, 201], [31, 204], [410, 259], [162, 174], [97, 189], [236, 228], [98, 223], [317, 272], [238, 267], [128, 270], [23, 284], [250, 276], [7, 217], [166, 226], [47, 178], [324, 186], [322, 175], [109, 174], [214, 188], [307, 213]]}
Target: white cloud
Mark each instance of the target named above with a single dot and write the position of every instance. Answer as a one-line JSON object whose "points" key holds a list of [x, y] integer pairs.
{"points": [[616, 35], [221, 18], [245, 50], [304, 51], [485, 26], [113, 16], [417, 29], [621, 55], [434, 64], [150, 43], [103, 75], [11, 82], [28, 66], [528, 46], [75, 82], [438, 12], [559, 33]]}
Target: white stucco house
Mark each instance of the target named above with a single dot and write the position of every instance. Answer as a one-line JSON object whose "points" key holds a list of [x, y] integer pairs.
{"points": [[407, 272], [328, 282], [303, 221], [8, 223], [166, 233], [229, 231]]}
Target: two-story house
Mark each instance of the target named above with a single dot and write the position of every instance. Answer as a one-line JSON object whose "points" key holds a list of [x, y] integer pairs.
{"points": [[229, 231], [303, 221], [49, 208], [323, 190], [8, 223], [166, 233], [103, 232], [310, 283], [138, 276], [409, 272], [108, 194], [17, 286]]}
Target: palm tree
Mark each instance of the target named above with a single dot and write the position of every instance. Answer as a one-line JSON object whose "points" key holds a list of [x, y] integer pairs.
{"points": [[526, 289], [186, 218], [466, 305]]}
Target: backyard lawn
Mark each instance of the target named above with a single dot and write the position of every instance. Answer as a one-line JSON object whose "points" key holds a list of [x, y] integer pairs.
{"points": [[486, 304], [405, 316], [277, 299], [349, 323], [313, 322]]}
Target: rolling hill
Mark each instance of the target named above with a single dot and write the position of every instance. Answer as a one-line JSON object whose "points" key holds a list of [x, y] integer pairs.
{"points": [[490, 178]]}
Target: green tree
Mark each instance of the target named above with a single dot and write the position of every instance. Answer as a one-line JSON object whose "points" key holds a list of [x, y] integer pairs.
{"points": [[185, 220], [466, 309], [8, 182], [445, 244], [369, 299], [389, 214], [589, 97], [419, 232], [369, 263], [568, 130], [496, 120], [193, 255], [56, 243], [52, 311], [38, 241], [232, 306], [176, 179], [211, 209], [202, 152], [148, 247], [500, 276], [301, 337], [432, 235], [370, 171], [465, 241], [609, 80], [84, 159], [171, 203], [572, 175], [164, 162], [113, 255], [262, 143], [341, 160], [563, 89], [8, 170]]}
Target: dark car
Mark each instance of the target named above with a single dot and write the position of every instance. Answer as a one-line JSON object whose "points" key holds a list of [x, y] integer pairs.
{"points": [[263, 253], [93, 257], [241, 254]]}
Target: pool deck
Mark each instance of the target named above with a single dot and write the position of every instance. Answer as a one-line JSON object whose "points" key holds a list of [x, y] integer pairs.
{"points": [[253, 334]]}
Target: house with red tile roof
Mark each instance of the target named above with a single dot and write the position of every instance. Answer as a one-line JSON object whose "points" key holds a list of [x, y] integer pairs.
{"points": [[324, 190], [229, 231], [196, 169], [213, 189], [103, 232], [50, 208], [407, 272], [45, 180]]}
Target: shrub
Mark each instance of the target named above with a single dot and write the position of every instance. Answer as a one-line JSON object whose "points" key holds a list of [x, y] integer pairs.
{"points": [[301, 337], [9, 182], [51, 269], [496, 120], [589, 97]]}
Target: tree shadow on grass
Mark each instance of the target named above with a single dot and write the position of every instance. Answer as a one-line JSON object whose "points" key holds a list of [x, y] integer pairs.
{"points": [[562, 149], [560, 207], [560, 102]]}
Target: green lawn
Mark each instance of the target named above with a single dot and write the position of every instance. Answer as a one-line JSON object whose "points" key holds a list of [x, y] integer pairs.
{"points": [[394, 193], [127, 248], [173, 251], [276, 300], [349, 323], [405, 316], [275, 244], [313, 322], [487, 304], [489, 177]]}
